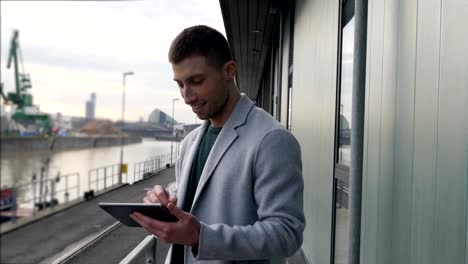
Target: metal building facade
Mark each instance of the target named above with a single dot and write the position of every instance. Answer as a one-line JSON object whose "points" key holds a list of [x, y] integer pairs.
{"points": [[415, 178]]}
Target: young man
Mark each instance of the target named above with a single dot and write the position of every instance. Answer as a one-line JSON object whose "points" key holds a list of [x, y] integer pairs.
{"points": [[239, 182]]}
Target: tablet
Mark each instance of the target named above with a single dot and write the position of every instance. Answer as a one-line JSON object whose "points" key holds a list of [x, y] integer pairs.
{"points": [[122, 211]]}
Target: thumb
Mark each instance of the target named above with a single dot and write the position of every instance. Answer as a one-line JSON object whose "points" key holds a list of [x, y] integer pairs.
{"points": [[177, 212], [173, 200]]}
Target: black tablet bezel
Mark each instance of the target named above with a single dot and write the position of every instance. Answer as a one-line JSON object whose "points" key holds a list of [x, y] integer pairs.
{"points": [[122, 211]]}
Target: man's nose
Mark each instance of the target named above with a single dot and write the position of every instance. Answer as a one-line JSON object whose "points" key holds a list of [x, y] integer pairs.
{"points": [[188, 95]]}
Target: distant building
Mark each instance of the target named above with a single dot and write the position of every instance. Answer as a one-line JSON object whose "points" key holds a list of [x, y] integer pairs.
{"points": [[160, 118], [91, 107]]}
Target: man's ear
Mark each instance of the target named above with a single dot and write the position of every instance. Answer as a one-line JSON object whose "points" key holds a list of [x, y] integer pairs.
{"points": [[230, 69]]}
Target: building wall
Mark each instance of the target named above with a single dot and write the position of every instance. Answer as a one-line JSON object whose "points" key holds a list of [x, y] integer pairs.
{"points": [[415, 171], [416, 152], [313, 116], [284, 71]]}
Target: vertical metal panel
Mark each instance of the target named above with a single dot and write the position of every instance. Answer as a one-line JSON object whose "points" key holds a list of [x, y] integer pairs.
{"points": [[387, 126], [372, 132], [232, 6], [451, 182], [252, 57], [315, 59], [425, 132], [403, 179], [284, 72], [243, 19], [267, 86], [264, 22], [276, 87]]}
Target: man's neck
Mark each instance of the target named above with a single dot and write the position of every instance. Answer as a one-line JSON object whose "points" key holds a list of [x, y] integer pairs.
{"points": [[234, 97]]}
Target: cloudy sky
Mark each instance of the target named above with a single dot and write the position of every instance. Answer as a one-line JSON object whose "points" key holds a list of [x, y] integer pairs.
{"points": [[74, 48]]}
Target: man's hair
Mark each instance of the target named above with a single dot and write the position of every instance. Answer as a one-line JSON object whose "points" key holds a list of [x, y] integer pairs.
{"points": [[203, 41]]}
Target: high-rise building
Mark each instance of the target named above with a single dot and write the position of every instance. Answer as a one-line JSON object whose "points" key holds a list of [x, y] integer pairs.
{"points": [[91, 107]]}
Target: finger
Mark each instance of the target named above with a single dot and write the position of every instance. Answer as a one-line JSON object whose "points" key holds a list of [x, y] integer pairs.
{"points": [[149, 222], [153, 198], [136, 219], [161, 194], [146, 200], [177, 212], [146, 226]]}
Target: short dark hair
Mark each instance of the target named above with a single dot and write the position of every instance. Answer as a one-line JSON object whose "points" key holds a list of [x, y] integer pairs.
{"points": [[200, 40]]}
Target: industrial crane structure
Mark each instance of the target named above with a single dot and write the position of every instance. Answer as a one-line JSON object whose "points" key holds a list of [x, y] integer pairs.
{"points": [[24, 112]]}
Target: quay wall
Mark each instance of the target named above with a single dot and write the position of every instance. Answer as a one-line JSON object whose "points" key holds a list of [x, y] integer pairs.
{"points": [[14, 144]]}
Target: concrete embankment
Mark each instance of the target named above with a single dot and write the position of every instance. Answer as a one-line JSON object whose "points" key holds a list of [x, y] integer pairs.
{"points": [[12, 144]]}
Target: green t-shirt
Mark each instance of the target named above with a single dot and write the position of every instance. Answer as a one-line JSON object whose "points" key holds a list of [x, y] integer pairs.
{"points": [[199, 161]]}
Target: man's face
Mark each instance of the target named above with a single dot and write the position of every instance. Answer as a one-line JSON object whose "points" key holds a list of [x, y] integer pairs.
{"points": [[202, 86]]}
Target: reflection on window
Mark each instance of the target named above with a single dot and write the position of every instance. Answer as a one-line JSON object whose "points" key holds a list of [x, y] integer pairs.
{"points": [[343, 160]]}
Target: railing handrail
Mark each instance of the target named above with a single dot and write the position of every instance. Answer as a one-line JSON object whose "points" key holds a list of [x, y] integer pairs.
{"points": [[95, 172], [49, 179], [149, 245]]}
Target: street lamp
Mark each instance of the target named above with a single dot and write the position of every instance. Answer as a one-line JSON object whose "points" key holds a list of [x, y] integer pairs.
{"points": [[125, 74], [172, 141]]}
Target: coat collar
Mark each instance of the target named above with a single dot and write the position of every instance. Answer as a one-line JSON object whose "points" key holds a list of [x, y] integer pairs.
{"points": [[225, 139]]}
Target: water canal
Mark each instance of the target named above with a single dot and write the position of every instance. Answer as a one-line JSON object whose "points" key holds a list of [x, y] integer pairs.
{"points": [[19, 167]]}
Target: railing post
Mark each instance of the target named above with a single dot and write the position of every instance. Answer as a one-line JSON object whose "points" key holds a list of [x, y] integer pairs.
{"points": [[89, 179], [77, 185], [66, 189], [105, 177], [52, 192], [151, 251], [34, 186], [15, 204]]}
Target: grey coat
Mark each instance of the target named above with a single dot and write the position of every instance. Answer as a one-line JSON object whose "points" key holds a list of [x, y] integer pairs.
{"points": [[250, 196]]}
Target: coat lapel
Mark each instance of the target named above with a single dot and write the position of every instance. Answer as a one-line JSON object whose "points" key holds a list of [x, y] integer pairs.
{"points": [[187, 165], [225, 139]]}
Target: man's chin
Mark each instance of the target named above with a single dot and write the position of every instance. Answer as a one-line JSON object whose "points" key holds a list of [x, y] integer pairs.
{"points": [[202, 117]]}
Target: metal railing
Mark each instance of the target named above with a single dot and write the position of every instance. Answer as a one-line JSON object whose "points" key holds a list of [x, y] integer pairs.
{"points": [[148, 245], [149, 167], [104, 177], [46, 189], [45, 193], [342, 194]]}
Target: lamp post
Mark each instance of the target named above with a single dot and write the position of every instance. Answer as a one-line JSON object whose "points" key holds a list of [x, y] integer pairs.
{"points": [[172, 141], [125, 74]]}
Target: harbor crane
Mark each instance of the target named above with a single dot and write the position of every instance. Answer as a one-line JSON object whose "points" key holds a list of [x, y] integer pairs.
{"points": [[25, 112]]}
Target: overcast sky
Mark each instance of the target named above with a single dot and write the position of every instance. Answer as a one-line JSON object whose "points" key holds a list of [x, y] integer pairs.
{"points": [[74, 48]]}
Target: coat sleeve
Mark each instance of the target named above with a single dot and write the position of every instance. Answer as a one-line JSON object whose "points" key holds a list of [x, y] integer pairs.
{"points": [[278, 191]]}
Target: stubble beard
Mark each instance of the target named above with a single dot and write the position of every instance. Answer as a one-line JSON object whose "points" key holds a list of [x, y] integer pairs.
{"points": [[221, 108]]}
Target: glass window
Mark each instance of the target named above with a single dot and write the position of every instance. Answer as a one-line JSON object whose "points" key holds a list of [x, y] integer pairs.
{"points": [[343, 154]]}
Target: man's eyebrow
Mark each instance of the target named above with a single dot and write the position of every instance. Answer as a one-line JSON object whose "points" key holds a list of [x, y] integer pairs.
{"points": [[192, 76]]}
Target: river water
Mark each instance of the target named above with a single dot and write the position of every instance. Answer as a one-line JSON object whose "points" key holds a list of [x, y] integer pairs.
{"points": [[19, 167]]}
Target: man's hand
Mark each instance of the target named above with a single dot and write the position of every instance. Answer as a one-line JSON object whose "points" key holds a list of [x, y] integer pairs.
{"points": [[184, 232], [159, 195]]}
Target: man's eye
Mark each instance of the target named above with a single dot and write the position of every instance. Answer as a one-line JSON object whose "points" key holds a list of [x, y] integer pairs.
{"points": [[197, 81], [180, 85]]}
